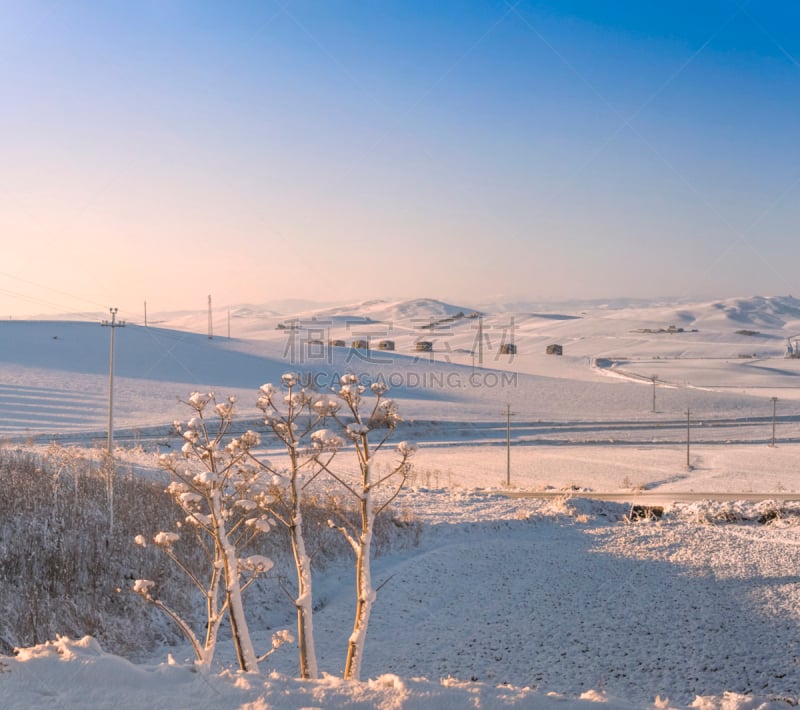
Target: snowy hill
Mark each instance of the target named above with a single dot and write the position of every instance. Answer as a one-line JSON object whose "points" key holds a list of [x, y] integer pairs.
{"points": [[777, 312], [729, 352], [774, 313]]}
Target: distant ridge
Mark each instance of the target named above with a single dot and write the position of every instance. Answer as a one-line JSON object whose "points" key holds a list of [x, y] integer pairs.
{"points": [[421, 309], [253, 320]]}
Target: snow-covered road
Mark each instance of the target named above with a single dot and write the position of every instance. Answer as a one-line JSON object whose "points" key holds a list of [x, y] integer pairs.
{"points": [[563, 597]]}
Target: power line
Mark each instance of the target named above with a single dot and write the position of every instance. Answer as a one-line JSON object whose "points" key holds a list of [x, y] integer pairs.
{"points": [[72, 296], [31, 299]]}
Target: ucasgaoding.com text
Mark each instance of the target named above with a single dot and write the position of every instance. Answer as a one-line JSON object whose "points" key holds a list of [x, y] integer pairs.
{"points": [[396, 379]]}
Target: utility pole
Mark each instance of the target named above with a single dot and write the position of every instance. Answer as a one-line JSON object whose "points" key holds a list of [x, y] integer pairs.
{"points": [[688, 438], [229, 324], [774, 407], [654, 393], [210, 322], [480, 341], [113, 325], [145, 314], [509, 414]]}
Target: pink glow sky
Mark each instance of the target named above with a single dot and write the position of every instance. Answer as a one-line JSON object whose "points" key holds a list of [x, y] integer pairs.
{"points": [[162, 151]]}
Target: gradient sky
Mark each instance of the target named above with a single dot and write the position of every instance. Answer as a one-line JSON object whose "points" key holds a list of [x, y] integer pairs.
{"points": [[163, 150]]}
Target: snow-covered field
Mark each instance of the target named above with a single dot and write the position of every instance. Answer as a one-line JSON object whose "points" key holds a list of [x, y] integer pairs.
{"points": [[505, 600]]}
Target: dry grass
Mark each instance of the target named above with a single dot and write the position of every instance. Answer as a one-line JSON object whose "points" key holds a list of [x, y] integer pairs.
{"points": [[63, 570]]}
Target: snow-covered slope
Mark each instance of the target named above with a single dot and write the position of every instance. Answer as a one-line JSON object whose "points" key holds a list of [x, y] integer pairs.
{"points": [[505, 603], [54, 374]]}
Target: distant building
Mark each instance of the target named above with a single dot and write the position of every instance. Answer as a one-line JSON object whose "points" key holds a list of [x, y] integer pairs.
{"points": [[385, 345], [360, 345], [508, 349], [423, 346], [336, 343], [555, 349]]}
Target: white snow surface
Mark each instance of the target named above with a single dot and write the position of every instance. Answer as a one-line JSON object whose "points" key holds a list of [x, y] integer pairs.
{"points": [[505, 601]]}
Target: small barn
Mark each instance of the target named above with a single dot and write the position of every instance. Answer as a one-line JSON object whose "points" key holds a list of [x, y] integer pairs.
{"points": [[423, 346], [555, 349], [508, 349], [360, 345], [385, 345]]}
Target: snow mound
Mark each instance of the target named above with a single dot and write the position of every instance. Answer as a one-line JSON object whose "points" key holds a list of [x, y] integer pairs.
{"points": [[62, 648], [79, 674], [73, 674]]}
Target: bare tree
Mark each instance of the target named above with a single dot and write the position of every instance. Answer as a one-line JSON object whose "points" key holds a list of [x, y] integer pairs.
{"points": [[294, 414], [369, 431], [225, 502]]}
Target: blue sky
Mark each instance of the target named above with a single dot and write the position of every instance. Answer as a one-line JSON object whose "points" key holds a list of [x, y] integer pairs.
{"points": [[467, 151]]}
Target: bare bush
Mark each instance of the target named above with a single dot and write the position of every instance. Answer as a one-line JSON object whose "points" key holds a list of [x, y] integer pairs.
{"points": [[223, 504]]}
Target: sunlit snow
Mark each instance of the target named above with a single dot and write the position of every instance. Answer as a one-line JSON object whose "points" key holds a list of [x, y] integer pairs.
{"points": [[505, 601]]}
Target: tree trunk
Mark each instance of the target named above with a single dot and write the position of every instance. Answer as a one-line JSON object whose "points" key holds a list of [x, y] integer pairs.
{"points": [[245, 652], [214, 618], [364, 590], [304, 601]]}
